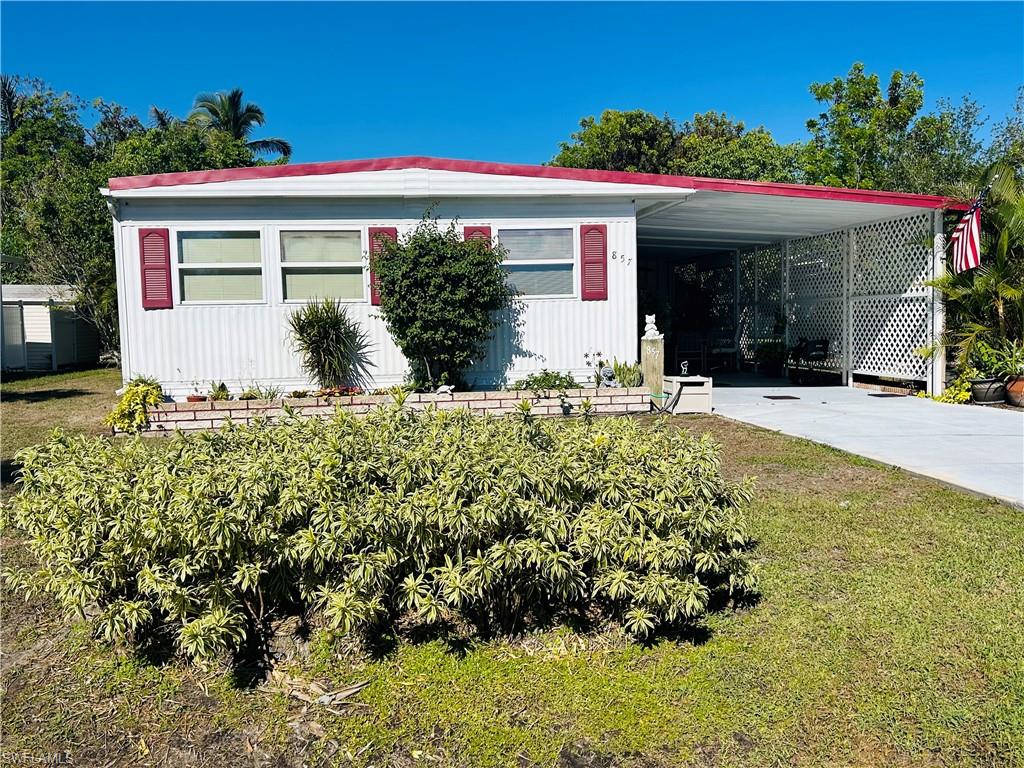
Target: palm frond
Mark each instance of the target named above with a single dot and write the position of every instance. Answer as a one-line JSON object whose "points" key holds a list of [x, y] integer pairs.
{"points": [[270, 146], [162, 118]]}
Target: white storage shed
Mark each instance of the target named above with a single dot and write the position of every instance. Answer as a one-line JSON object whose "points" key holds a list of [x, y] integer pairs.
{"points": [[210, 263], [41, 331]]}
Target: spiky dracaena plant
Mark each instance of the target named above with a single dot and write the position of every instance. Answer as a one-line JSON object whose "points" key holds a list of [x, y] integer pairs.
{"points": [[353, 522], [334, 348]]}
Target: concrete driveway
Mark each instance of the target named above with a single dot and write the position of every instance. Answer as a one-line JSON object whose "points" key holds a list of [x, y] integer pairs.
{"points": [[976, 448]]}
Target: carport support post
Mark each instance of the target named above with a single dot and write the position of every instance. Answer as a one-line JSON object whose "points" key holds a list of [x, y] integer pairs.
{"points": [[848, 257], [936, 383]]}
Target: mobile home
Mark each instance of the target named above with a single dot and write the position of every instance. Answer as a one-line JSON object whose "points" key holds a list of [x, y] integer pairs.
{"points": [[210, 264]]}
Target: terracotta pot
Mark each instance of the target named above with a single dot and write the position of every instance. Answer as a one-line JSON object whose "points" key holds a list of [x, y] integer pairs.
{"points": [[987, 391], [196, 398], [1015, 390]]}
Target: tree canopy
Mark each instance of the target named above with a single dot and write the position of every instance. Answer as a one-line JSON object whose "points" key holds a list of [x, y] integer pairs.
{"points": [[863, 136], [708, 145]]}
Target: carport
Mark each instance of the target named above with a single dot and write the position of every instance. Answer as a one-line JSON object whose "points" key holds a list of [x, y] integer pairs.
{"points": [[733, 266]]}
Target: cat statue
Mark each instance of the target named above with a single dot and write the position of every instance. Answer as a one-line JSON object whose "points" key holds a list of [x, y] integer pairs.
{"points": [[650, 329]]}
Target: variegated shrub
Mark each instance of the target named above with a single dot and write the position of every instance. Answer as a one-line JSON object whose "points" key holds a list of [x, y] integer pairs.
{"points": [[357, 521]]}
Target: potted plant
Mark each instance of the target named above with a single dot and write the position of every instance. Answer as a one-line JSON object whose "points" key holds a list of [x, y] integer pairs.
{"points": [[987, 389], [219, 392], [1009, 363], [987, 385], [195, 396], [771, 357]]}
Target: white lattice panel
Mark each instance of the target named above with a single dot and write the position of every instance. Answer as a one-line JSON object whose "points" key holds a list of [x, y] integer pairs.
{"points": [[769, 276], [892, 257], [865, 285], [820, 319], [886, 333], [747, 278], [816, 266], [761, 309], [748, 344]]}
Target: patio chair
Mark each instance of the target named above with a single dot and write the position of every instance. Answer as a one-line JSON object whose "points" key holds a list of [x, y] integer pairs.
{"points": [[726, 347]]}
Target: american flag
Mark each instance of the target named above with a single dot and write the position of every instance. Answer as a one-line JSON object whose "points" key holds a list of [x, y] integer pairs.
{"points": [[966, 238]]}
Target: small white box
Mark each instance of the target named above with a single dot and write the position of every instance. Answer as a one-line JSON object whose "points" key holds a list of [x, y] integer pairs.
{"points": [[695, 396]]}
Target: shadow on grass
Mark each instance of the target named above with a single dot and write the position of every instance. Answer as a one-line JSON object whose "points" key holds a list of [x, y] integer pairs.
{"points": [[42, 395], [9, 471]]}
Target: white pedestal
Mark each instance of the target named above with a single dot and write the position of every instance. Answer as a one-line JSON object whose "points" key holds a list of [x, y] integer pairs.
{"points": [[695, 396]]}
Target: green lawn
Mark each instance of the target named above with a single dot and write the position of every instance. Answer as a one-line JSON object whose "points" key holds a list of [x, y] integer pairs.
{"points": [[890, 631], [31, 407]]}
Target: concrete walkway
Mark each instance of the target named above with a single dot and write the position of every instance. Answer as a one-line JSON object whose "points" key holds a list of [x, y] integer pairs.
{"points": [[976, 448]]}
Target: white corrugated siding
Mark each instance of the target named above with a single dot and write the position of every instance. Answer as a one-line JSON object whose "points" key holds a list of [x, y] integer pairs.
{"points": [[245, 343], [37, 337]]}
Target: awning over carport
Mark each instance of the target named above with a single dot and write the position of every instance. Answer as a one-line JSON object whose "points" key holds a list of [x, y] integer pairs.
{"points": [[847, 266]]}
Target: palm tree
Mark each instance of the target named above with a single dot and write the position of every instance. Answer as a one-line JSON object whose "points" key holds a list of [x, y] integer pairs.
{"points": [[162, 118], [228, 112], [986, 304], [12, 102]]}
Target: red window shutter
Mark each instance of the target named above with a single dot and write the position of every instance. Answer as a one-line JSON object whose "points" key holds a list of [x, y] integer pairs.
{"points": [[155, 263], [594, 261], [375, 247], [477, 233]]}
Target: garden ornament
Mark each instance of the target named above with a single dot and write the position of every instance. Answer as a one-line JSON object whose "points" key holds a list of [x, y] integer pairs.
{"points": [[650, 329]]}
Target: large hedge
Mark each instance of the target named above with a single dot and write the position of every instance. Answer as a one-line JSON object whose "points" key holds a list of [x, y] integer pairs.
{"points": [[357, 522]]}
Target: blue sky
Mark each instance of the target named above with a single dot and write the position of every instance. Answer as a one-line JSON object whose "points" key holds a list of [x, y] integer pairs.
{"points": [[494, 81]]}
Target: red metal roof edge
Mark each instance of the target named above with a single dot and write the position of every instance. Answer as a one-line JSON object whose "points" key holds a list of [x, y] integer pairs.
{"points": [[537, 171]]}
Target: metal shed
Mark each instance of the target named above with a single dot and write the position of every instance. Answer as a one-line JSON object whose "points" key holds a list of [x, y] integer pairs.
{"points": [[41, 331]]}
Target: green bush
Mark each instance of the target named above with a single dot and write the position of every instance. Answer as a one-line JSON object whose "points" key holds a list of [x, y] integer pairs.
{"points": [[441, 299], [545, 380], [626, 374], [334, 348], [358, 522], [130, 413]]}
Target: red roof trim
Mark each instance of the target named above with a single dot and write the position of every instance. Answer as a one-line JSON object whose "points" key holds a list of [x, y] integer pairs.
{"points": [[537, 171]]}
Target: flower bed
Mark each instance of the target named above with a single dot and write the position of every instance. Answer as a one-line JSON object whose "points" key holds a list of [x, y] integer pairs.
{"points": [[189, 417]]}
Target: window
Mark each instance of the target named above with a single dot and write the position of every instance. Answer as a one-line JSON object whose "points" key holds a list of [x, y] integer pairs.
{"points": [[220, 266], [322, 265], [539, 261]]}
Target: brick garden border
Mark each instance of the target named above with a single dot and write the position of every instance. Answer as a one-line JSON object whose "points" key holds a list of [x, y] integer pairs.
{"points": [[195, 417]]}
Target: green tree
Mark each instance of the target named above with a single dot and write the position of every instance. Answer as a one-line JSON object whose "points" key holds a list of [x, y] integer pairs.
{"points": [[441, 298], [621, 141], [1008, 137], [229, 112], [713, 145], [854, 141], [708, 145], [938, 152], [40, 129]]}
